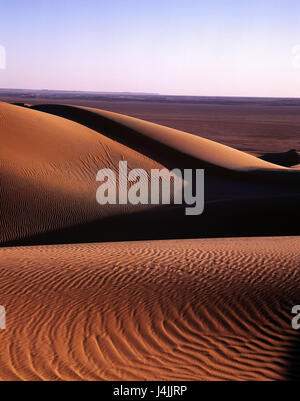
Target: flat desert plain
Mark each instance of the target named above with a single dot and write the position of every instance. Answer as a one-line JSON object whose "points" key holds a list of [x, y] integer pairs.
{"points": [[131, 292]]}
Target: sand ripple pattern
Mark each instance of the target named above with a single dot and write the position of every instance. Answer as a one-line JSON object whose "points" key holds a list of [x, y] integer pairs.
{"points": [[157, 310]]}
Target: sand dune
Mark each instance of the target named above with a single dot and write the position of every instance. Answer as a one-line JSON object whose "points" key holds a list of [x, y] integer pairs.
{"points": [[161, 310], [195, 309], [200, 148], [48, 165], [249, 124], [48, 169], [288, 159]]}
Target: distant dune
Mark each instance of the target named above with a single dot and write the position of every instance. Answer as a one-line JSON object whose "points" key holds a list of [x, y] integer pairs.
{"points": [[212, 309], [248, 124], [288, 159], [48, 166]]}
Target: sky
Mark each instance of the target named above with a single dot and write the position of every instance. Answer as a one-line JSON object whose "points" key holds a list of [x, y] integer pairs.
{"points": [[180, 47]]}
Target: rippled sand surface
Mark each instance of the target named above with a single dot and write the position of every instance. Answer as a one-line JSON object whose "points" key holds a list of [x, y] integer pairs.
{"points": [[156, 310]]}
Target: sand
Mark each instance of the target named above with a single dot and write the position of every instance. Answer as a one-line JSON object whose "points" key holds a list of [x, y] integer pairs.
{"points": [[49, 162], [48, 171], [192, 145], [212, 309], [79, 307], [248, 124]]}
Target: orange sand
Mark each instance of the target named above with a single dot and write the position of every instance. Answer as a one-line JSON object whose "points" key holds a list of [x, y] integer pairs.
{"points": [[156, 310], [196, 309]]}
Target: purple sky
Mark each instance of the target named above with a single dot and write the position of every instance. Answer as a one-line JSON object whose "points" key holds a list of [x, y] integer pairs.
{"points": [[217, 48]]}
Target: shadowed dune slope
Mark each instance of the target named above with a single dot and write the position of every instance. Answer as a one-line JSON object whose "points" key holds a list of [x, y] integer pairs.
{"points": [[161, 310]]}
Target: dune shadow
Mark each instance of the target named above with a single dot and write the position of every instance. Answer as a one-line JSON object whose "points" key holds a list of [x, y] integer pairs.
{"points": [[233, 218], [293, 368], [286, 159]]}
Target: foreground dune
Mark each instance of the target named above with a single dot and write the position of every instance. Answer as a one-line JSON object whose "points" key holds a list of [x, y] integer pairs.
{"points": [[162, 310]]}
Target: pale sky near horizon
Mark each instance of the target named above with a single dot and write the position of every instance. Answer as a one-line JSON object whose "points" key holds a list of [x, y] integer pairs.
{"points": [[186, 47]]}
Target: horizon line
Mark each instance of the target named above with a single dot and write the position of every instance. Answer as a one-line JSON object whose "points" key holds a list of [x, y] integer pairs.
{"points": [[148, 93]]}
